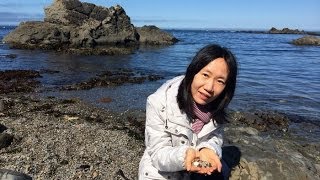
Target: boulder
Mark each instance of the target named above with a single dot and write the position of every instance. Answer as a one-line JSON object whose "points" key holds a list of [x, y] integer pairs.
{"points": [[154, 36], [84, 28], [307, 40]]}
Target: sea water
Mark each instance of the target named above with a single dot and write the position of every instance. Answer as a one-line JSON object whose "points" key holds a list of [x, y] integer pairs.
{"points": [[273, 73]]}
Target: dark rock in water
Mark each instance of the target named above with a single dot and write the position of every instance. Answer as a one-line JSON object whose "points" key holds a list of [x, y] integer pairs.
{"points": [[113, 78], [11, 56], [263, 121], [152, 35], [8, 56], [18, 81], [5, 140], [84, 28], [274, 30], [48, 71], [307, 40], [105, 100]]}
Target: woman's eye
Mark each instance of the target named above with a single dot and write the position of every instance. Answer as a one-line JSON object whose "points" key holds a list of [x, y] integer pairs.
{"points": [[205, 75], [221, 82]]}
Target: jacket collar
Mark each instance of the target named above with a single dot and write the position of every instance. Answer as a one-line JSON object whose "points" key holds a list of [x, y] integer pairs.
{"points": [[174, 114]]}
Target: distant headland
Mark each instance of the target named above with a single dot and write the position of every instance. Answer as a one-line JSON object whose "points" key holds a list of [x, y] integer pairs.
{"points": [[309, 38]]}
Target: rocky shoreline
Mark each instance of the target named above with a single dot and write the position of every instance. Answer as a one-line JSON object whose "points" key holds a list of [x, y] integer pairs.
{"points": [[50, 138]]}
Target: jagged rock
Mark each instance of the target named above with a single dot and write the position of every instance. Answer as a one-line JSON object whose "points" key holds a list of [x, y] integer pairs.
{"points": [[307, 40], [274, 30], [154, 36], [84, 28]]}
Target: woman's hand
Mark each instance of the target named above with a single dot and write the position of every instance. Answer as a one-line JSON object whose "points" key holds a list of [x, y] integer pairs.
{"points": [[191, 155], [211, 157]]}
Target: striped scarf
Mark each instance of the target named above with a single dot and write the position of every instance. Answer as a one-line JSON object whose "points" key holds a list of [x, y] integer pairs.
{"points": [[203, 116]]}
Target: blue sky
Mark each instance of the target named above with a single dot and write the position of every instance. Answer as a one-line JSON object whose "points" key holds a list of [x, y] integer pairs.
{"points": [[199, 14]]}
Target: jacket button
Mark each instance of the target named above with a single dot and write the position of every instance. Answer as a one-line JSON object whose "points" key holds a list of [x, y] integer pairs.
{"points": [[192, 144], [146, 174], [176, 131], [182, 142]]}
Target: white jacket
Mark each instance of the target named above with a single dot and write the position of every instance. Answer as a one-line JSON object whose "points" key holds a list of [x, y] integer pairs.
{"points": [[168, 134]]}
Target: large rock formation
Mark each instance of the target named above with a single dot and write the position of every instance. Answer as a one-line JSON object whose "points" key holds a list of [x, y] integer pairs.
{"points": [[77, 27]]}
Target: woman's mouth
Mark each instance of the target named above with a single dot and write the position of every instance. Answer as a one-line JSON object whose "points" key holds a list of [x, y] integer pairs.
{"points": [[203, 96]]}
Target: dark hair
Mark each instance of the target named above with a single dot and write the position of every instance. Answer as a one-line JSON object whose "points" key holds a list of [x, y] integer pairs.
{"points": [[202, 58]]}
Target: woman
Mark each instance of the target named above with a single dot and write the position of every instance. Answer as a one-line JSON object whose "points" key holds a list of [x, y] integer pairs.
{"points": [[182, 124]]}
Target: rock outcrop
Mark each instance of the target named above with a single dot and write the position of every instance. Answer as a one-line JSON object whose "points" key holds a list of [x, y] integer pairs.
{"points": [[76, 27], [285, 151], [307, 40], [152, 35], [274, 30]]}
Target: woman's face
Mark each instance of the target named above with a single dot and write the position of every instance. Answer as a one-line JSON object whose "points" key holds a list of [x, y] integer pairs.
{"points": [[210, 81]]}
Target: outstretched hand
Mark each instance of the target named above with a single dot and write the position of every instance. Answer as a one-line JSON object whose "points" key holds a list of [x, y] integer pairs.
{"points": [[206, 155], [191, 155]]}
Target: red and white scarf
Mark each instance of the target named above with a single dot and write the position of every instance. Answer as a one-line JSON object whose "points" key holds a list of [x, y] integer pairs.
{"points": [[203, 116]]}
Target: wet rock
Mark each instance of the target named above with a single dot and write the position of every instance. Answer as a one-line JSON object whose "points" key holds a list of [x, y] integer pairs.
{"points": [[48, 71], [8, 56], [5, 140], [105, 100], [2, 128], [11, 56], [18, 81], [263, 121], [113, 78], [152, 35], [307, 40], [270, 149]]}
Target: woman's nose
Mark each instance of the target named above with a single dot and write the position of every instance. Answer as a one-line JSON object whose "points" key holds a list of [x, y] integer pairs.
{"points": [[209, 86]]}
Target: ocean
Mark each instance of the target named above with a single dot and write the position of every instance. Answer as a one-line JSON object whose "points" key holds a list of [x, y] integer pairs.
{"points": [[274, 75]]}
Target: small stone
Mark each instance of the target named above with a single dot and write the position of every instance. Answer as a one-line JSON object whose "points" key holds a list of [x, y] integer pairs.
{"points": [[195, 163]]}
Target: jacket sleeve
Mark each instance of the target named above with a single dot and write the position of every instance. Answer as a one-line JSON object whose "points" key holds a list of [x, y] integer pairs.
{"points": [[163, 155], [213, 141]]}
